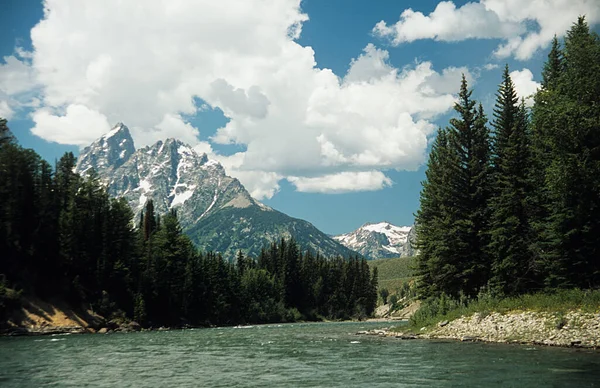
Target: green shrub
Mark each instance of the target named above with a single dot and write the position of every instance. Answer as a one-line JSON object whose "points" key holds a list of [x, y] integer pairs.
{"points": [[435, 310]]}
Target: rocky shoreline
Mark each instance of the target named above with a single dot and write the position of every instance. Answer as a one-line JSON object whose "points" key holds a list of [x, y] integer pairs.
{"points": [[572, 329]]}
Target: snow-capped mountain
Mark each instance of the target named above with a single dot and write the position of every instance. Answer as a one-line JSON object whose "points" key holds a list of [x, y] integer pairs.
{"points": [[214, 209], [107, 153], [381, 240]]}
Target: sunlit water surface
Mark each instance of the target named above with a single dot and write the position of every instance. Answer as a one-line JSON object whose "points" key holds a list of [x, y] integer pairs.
{"points": [[290, 355]]}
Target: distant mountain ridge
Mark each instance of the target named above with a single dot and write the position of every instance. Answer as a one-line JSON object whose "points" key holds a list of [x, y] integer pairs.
{"points": [[380, 240], [214, 209]]}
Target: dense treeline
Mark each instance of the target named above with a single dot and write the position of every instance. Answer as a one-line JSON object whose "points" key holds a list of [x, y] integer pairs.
{"points": [[514, 207], [62, 236]]}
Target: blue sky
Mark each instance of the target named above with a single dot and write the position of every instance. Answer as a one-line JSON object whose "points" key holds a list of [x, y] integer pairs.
{"points": [[323, 109]]}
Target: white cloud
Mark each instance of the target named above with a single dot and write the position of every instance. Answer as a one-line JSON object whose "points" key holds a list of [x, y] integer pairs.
{"points": [[171, 125], [525, 86], [508, 20], [371, 65], [16, 76], [6, 111], [79, 125], [17, 81], [110, 61], [261, 184], [449, 80], [251, 103], [342, 182], [448, 23]]}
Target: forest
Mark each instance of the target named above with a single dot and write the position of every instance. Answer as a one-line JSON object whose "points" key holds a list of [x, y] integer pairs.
{"points": [[62, 236], [511, 205]]}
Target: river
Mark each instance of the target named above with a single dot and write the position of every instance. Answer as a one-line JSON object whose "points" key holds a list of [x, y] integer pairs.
{"points": [[290, 355]]}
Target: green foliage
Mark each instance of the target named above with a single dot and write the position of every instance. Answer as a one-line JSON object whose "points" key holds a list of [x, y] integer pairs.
{"points": [[62, 236], [269, 225], [384, 293], [454, 207], [513, 267], [394, 301], [524, 214], [442, 308], [394, 272]]}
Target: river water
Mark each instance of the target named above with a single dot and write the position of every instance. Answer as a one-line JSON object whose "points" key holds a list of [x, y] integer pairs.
{"points": [[290, 355]]}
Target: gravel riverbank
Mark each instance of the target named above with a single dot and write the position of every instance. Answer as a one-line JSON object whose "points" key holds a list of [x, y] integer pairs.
{"points": [[575, 328]]}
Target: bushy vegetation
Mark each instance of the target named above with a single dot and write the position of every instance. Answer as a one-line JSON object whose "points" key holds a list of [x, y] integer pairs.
{"points": [[62, 236], [442, 308], [513, 208]]}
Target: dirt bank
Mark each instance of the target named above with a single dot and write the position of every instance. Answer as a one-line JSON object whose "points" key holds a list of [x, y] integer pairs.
{"points": [[50, 317]]}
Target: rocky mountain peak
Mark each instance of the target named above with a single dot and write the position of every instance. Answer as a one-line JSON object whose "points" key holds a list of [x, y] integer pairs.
{"points": [[214, 209], [379, 240], [109, 152]]}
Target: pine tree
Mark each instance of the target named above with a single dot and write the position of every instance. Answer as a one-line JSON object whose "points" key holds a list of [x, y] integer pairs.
{"points": [[554, 66], [513, 269], [572, 176], [431, 221], [371, 295], [452, 220], [6, 136], [543, 116], [150, 222]]}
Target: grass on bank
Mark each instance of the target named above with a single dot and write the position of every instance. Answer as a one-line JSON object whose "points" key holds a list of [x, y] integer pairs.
{"points": [[394, 273], [437, 310]]}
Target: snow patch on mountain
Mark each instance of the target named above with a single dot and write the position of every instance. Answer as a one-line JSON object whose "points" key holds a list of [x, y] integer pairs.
{"points": [[214, 209], [395, 234], [380, 240]]}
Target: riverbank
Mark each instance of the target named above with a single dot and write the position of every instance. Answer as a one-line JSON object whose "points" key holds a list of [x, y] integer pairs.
{"points": [[39, 317], [571, 329]]}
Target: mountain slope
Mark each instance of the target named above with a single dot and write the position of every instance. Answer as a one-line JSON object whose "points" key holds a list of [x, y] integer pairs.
{"points": [[380, 240], [251, 228], [214, 209]]}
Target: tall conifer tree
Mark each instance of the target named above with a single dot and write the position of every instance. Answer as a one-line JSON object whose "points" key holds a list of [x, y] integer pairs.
{"points": [[513, 270], [451, 223], [573, 175]]}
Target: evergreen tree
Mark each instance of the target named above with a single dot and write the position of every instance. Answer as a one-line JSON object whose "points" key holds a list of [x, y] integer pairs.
{"points": [[543, 115], [452, 221], [62, 236], [431, 221], [513, 269], [150, 220], [554, 66], [574, 141]]}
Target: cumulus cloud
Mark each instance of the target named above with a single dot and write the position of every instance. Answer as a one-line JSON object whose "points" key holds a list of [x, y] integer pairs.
{"points": [[171, 125], [103, 62], [260, 183], [237, 101], [79, 125], [5, 110], [507, 20], [342, 182], [525, 86], [371, 65], [16, 76], [17, 82]]}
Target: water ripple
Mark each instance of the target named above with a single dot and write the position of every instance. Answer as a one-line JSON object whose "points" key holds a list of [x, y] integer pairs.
{"points": [[298, 355]]}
